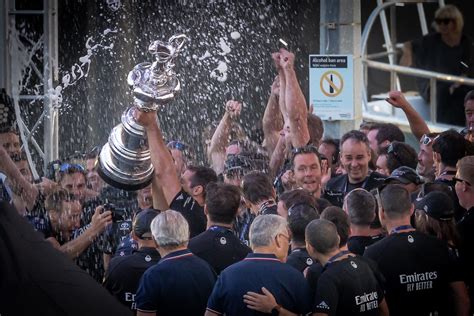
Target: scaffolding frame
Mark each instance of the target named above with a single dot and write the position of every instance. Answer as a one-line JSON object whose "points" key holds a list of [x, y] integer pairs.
{"points": [[46, 70]]}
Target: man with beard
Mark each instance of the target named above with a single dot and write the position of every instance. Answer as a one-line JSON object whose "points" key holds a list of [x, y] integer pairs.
{"points": [[425, 157], [355, 157]]}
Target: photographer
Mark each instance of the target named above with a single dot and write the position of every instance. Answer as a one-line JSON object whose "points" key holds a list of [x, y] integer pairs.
{"points": [[64, 212]]}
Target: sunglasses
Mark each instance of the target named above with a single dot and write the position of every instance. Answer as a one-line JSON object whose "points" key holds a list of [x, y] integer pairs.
{"points": [[443, 21], [426, 140], [310, 149], [176, 145], [65, 167], [461, 180]]}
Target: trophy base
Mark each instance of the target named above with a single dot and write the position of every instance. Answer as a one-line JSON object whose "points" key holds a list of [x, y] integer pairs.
{"points": [[116, 183], [122, 173]]}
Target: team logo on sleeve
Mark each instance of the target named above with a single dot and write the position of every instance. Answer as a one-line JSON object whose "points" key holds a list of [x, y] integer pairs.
{"points": [[411, 239], [323, 305], [309, 261], [353, 264], [223, 240]]}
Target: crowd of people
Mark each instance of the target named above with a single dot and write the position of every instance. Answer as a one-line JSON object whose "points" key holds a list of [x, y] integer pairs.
{"points": [[296, 225]]}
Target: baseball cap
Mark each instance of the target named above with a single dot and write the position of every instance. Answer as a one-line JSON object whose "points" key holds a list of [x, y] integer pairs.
{"points": [[142, 222], [437, 205], [405, 175], [236, 163]]}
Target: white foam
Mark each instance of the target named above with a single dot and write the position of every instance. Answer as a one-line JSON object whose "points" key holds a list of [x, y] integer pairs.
{"points": [[220, 72], [206, 55], [224, 47], [235, 35]]}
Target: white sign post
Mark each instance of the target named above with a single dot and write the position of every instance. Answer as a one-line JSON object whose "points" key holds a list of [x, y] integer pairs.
{"points": [[331, 86]]}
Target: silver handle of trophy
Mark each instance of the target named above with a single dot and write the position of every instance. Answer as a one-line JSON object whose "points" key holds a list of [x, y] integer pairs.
{"points": [[178, 42]]}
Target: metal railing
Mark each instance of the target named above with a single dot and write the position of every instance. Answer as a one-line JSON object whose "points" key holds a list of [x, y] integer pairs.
{"points": [[393, 69], [431, 75]]}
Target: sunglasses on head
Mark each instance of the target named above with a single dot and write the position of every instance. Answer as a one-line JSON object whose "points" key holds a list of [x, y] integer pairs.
{"points": [[305, 150], [426, 140], [177, 145], [443, 21], [66, 167]]}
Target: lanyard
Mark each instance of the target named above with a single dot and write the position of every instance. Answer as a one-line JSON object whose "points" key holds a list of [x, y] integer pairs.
{"points": [[447, 173], [400, 228], [219, 229], [364, 183], [336, 256]]}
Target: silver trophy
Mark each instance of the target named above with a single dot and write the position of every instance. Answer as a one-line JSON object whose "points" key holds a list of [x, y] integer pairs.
{"points": [[124, 162]]}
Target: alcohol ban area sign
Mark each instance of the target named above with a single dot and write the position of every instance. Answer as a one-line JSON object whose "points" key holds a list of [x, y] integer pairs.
{"points": [[331, 86]]}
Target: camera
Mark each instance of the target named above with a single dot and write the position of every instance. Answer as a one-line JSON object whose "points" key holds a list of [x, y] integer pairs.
{"points": [[118, 213]]}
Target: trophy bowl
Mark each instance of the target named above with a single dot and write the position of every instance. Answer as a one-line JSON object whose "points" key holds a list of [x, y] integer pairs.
{"points": [[124, 161]]}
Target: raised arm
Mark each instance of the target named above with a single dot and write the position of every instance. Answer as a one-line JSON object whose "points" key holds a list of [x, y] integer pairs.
{"points": [[272, 119], [295, 102], [220, 139], [165, 171], [417, 123], [20, 186]]}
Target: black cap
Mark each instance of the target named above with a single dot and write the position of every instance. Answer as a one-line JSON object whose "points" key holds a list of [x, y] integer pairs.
{"points": [[142, 222], [437, 205], [405, 175], [236, 163]]}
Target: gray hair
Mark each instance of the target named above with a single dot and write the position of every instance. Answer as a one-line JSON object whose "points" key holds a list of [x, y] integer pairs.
{"points": [[170, 229], [265, 228]]}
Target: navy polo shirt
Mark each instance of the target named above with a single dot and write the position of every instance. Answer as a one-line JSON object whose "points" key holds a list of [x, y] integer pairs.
{"points": [[124, 274], [287, 285], [179, 284], [219, 247]]}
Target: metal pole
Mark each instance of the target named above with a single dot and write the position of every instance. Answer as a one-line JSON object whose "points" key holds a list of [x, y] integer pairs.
{"points": [[50, 67], [4, 64], [340, 29]]}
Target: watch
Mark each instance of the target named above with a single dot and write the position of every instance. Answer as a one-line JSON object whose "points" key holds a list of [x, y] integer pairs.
{"points": [[276, 310]]}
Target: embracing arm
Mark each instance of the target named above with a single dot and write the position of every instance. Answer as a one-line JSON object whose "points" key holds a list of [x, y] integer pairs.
{"points": [[265, 303]]}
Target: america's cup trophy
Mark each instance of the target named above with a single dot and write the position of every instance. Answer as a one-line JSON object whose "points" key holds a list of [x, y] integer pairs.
{"points": [[124, 162]]}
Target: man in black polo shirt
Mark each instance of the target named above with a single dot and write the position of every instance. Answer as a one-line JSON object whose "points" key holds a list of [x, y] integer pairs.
{"points": [[355, 157], [418, 270], [465, 192], [124, 273], [218, 245], [259, 196], [448, 148], [185, 195], [269, 238], [360, 207], [347, 285], [180, 283], [299, 216]]}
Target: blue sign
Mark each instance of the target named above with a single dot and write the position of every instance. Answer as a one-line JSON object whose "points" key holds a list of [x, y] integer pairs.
{"points": [[331, 86]]}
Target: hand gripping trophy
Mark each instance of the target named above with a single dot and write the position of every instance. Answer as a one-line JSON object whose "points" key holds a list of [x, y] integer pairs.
{"points": [[124, 162]]}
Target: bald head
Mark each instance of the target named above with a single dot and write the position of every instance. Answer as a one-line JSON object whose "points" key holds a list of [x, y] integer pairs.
{"points": [[322, 235]]}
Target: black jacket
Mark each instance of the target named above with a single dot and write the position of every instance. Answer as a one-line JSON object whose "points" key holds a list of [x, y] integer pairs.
{"points": [[336, 188]]}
